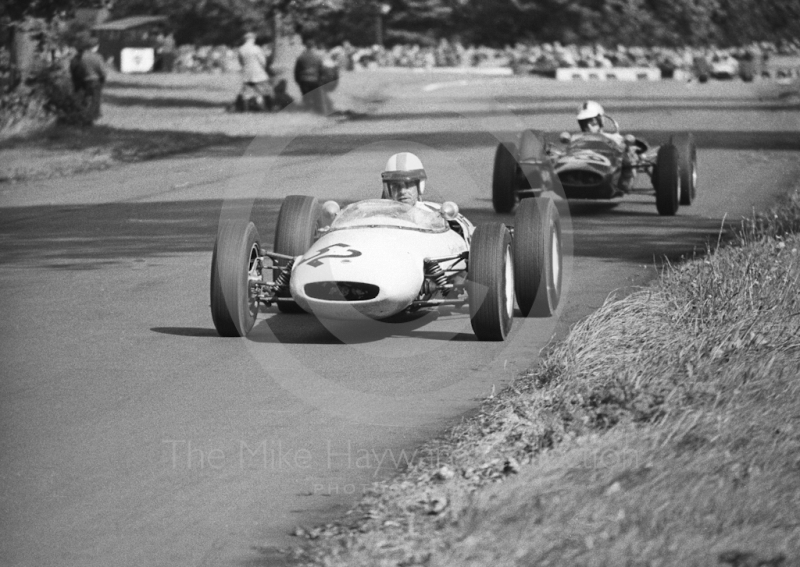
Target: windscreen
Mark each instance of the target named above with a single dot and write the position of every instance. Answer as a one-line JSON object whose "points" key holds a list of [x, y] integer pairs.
{"points": [[596, 143], [385, 213]]}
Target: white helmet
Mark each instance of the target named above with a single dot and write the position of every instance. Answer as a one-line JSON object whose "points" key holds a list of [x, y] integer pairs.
{"points": [[590, 110], [404, 166]]}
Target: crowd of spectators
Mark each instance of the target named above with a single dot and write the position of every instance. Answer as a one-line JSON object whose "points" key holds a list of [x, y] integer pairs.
{"points": [[521, 58]]}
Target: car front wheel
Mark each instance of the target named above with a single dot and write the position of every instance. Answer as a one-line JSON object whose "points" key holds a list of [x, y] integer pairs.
{"points": [[234, 265], [667, 180], [537, 257], [490, 282], [687, 164]]}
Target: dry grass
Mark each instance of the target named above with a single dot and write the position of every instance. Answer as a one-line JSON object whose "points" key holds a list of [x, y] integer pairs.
{"points": [[156, 115], [665, 430], [67, 150]]}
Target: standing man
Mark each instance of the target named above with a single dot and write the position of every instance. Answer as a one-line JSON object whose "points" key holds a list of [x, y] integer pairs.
{"points": [[88, 73], [166, 52], [308, 74], [255, 81]]}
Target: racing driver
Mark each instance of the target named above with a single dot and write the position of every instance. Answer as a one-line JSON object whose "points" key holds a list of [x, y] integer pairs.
{"points": [[404, 178], [404, 181], [590, 117], [590, 120]]}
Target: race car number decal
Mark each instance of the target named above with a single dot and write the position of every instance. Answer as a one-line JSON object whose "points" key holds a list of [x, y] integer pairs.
{"points": [[316, 260], [589, 155]]}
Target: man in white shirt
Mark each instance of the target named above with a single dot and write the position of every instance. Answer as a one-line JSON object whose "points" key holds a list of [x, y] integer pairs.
{"points": [[255, 80]]}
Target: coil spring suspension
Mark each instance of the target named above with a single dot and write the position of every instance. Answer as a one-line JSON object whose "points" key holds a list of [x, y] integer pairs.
{"points": [[283, 278], [435, 272]]}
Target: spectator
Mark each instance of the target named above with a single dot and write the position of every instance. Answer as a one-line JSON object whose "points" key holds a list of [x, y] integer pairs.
{"points": [[308, 73], [167, 49], [88, 72], [255, 80]]}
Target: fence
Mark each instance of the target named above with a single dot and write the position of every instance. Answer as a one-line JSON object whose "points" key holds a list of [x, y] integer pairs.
{"points": [[612, 74]]}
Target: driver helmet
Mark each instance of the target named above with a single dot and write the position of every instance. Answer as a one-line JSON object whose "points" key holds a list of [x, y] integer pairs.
{"points": [[404, 166], [590, 113]]}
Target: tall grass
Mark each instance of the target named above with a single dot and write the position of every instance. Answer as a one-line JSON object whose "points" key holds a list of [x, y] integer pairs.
{"points": [[665, 430]]}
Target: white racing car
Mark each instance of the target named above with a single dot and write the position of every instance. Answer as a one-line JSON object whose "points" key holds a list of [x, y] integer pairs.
{"points": [[379, 258]]}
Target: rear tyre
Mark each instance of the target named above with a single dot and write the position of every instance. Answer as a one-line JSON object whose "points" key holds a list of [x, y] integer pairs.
{"points": [[490, 282], [294, 234], [504, 178], [667, 180], [687, 163], [233, 263], [537, 257]]}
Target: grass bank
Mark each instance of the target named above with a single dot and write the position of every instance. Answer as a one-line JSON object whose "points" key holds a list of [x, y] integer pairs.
{"points": [[665, 430], [156, 115], [67, 150]]}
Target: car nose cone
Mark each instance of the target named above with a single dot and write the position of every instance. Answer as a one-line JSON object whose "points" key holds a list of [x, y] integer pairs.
{"points": [[361, 275]]}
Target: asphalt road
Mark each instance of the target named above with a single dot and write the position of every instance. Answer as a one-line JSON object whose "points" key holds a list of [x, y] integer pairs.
{"points": [[133, 435]]}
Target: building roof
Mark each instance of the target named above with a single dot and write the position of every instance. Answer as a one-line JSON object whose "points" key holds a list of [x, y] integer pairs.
{"points": [[130, 23], [91, 16]]}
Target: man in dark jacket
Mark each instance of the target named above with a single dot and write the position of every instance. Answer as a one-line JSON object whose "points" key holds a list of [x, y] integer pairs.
{"points": [[88, 72], [308, 71]]}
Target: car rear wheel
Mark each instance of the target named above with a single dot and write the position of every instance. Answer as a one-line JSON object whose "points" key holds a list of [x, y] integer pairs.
{"points": [[687, 163], [490, 282], [294, 234], [537, 257], [667, 180], [504, 178], [234, 264]]}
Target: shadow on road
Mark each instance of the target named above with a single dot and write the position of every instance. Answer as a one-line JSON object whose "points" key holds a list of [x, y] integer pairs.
{"points": [[186, 331], [162, 102], [136, 145], [114, 83], [533, 110], [80, 237], [316, 144], [280, 328], [127, 145]]}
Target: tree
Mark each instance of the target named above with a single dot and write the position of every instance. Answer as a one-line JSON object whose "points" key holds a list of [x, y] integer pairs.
{"points": [[15, 11], [744, 21], [21, 21], [201, 22]]}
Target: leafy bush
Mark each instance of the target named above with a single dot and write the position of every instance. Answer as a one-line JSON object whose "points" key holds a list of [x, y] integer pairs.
{"points": [[55, 86], [45, 95]]}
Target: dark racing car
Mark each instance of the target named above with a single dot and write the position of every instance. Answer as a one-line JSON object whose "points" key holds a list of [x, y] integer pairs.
{"points": [[594, 165]]}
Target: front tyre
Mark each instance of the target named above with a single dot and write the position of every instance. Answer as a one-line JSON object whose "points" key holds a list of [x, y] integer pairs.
{"points": [[234, 264], [687, 163], [538, 259], [490, 282], [295, 233], [667, 181], [504, 178]]}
